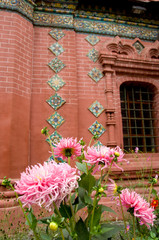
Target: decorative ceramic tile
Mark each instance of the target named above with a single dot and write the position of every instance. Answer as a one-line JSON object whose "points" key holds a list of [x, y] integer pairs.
{"points": [[95, 74], [57, 34], [93, 55], [92, 39], [56, 82], [98, 144], [55, 138], [56, 49], [139, 47], [56, 65], [55, 101], [96, 108], [55, 120], [97, 129]]}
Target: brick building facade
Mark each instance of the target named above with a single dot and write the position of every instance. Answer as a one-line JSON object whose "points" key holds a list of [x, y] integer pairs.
{"points": [[66, 67]]}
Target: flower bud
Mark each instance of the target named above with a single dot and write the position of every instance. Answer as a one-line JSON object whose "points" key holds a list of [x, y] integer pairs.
{"points": [[44, 131], [101, 190], [117, 154], [53, 226]]}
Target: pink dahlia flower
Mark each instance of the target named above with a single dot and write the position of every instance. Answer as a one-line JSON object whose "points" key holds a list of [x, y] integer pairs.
{"points": [[103, 156], [111, 188], [141, 209], [47, 183], [67, 147]]}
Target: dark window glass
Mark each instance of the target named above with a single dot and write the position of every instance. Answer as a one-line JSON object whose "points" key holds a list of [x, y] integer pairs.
{"points": [[138, 118]]}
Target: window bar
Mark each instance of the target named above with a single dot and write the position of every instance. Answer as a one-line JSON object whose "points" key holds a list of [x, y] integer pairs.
{"points": [[151, 123]]}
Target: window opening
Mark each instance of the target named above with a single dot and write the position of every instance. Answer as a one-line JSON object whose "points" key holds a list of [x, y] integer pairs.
{"points": [[138, 118]]}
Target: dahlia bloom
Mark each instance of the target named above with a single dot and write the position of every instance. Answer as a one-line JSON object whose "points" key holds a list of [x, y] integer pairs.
{"points": [[154, 203], [67, 147], [111, 188], [103, 156], [141, 209], [47, 183]]}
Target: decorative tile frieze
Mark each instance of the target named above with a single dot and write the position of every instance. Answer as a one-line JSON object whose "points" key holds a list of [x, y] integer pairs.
{"points": [[55, 120], [56, 65], [97, 129], [96, 108], [95, 74], [22, 6], [56, 49], [54, 137], [56, 82], [55, 101], [92, 39], [93, 55], [139, 47]]}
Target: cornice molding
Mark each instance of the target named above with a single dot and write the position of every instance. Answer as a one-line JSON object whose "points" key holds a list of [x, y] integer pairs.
{"points": [[67, 17]]}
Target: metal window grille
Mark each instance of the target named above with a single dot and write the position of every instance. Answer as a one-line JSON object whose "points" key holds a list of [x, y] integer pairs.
{"points": [[138, 118]]}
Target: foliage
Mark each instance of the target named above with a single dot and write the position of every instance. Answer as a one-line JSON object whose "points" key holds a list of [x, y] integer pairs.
{"points": [[81, 214]]}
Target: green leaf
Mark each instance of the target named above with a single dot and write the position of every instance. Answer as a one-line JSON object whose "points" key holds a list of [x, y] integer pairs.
{"points": [[81, 230], [152, 234], [44, 220], [87, 182], [97, 215], [65, 211], [44, 236], [154, 192], [107, 209], [108, 230], [88, 199], [32, 223], [82, 167]]}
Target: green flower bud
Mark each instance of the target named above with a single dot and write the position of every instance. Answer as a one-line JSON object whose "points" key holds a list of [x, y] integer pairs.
{"points": [[44, 131], [101, 190], [53, 226]]}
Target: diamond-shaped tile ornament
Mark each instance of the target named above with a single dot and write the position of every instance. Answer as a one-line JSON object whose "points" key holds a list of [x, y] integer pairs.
{"points": [[56, 49], [93, 55], [55, 101], [56, 65], [57, 34], [55, 120], [95, 74], [96, 108], [92, 39], [55, 138], [98, 144], [97, 129], [139, 47], [56, 82]]}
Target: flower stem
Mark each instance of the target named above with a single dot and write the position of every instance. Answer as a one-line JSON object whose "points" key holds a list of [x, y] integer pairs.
{"points": [[62, 234], [69, 160], [123, 217], [94, 205], [150, 193], [25, 215], [59, 214], [109, 170], [91, 141], [134, 227]]}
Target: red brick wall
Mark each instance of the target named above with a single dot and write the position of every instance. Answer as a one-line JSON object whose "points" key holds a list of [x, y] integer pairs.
{"points": [[15, 89], [24, 55]]}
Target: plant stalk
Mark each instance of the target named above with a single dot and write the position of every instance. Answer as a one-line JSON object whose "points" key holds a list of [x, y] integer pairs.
{"points": [[59, 214], [123, 217], [25, 215]]}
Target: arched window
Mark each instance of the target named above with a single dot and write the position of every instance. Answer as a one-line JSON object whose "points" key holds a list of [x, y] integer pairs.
{"points": [[138, 117]]}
